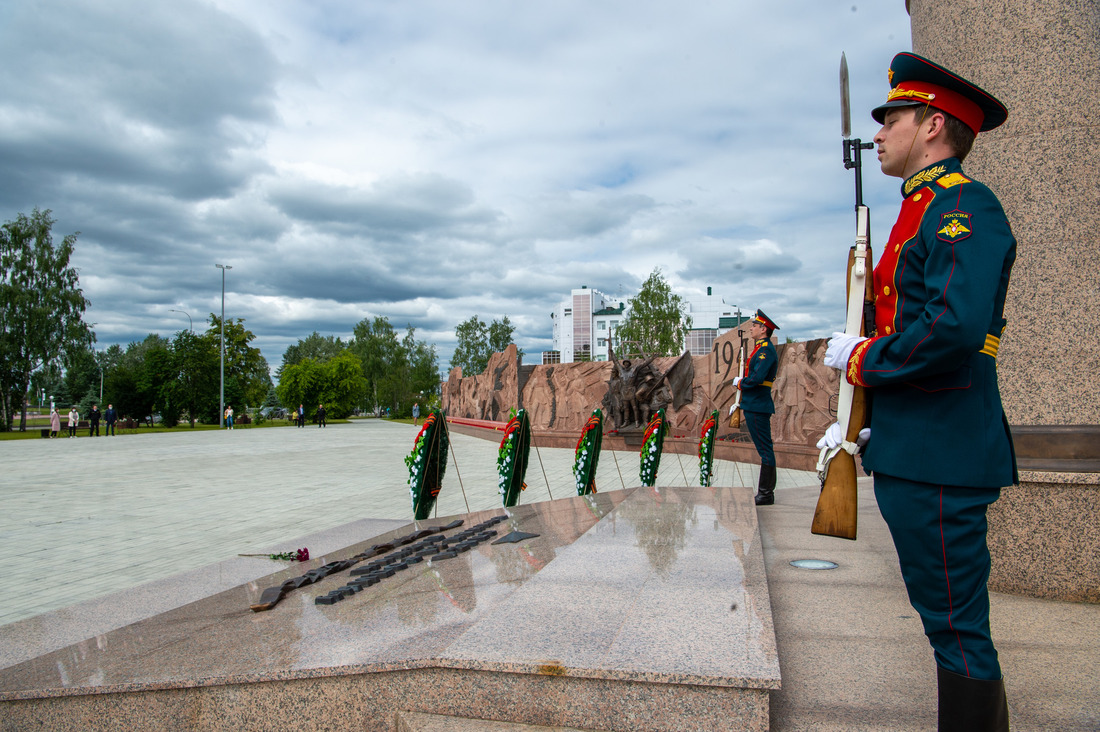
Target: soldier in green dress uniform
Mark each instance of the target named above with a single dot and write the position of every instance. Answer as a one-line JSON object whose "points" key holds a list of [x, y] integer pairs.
{"points": [[756, 401], [940, 448]]}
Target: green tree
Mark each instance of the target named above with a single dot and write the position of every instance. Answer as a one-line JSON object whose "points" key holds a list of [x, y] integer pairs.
{"points": [[247, 377], [655, 322], [501, 336], [302, 383], [478, 341], [81, 374], [471, 352], [376, 344], [196, 367], [398, 371], [344, 385], [41, 307], [425, 373], [272, 398], [319, 348]]}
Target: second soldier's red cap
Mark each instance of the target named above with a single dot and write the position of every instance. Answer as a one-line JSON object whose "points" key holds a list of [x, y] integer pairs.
{"points": [[914, 80]]}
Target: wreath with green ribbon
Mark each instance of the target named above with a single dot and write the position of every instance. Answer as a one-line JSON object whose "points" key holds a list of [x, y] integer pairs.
{"points": [[653, 442], [587, 454], [515, 449], [427, 462], [706, 449]]}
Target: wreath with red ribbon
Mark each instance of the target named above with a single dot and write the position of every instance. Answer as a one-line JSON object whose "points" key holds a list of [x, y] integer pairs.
{"points": [[587, 455], [427, 463], [706, 449], [653, 443], [512, 457]]}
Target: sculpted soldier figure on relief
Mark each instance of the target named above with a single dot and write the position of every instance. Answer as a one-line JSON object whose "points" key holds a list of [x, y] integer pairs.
{"points": [[802, 392]]}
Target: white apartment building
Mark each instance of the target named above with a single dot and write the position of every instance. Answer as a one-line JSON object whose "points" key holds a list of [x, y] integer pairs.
{"points": [[584, 321], [581, 326], [710, 317]]}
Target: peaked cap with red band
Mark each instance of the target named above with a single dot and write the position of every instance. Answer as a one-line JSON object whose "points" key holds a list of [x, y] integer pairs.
{"points": [[916, 81], [761, 318]]}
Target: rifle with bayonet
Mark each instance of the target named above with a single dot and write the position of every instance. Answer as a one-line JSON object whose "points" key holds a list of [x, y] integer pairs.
{"points": [[836, 466], [735, 410]]}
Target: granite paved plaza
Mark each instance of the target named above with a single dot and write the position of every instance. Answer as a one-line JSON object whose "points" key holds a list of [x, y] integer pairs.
{"points": [[164, 516], [121, 511]]}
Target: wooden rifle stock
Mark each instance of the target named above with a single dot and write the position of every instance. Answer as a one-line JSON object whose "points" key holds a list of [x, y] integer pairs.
{"points": [[837, 505]]}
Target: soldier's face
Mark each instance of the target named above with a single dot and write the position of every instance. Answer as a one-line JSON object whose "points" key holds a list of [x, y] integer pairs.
{"points": [[895, 141], [757, 330]]}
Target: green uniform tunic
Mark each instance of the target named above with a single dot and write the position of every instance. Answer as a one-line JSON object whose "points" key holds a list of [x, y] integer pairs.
{"points": [[939, 313]]}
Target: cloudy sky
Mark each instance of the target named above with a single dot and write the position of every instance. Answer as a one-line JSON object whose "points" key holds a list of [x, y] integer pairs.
{"points": [[430, 160]]}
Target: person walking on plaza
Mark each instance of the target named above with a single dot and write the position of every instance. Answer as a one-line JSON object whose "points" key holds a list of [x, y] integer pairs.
{"points": [[321, 416], [229, 417], [939, 446], [110, 416], [301, 416], [756, 401], [55, 422], [74, 421], [93, 421], [416, 414]]}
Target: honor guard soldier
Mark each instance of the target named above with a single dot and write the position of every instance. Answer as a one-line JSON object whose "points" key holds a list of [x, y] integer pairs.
{"points": [[940, 448], [756, 401]]}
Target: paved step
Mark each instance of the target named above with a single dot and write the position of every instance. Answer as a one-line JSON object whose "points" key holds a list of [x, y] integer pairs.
{"points": [[417, 722]]}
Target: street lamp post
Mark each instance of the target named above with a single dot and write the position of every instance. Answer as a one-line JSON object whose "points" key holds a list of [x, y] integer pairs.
{"points": [[190, 323], [221, 399]]}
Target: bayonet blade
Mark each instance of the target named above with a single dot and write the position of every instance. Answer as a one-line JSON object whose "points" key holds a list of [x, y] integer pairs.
{"points": [[845, 105]]}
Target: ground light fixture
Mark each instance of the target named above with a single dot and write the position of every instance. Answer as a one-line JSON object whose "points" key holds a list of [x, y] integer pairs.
{"points": [[814, 564]]}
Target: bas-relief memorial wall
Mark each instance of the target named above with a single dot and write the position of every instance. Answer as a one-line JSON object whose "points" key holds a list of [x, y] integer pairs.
{"points": [[560, 398]]}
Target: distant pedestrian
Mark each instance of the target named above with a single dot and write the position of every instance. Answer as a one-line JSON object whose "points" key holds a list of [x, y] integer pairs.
{"points": [[301, 416], [321, 416], [111, 416], [74, 421], [229, 417], [55, 422], [93, 421], [416, 414]]}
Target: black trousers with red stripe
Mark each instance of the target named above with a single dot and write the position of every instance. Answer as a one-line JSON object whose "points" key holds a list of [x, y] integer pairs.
{"points": [[939, 532]]}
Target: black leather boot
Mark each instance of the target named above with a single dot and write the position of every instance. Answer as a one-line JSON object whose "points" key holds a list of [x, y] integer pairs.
{"points": [[971, 705], [765, 496]]}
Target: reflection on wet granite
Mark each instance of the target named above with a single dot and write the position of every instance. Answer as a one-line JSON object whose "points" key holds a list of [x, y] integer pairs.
{"points": [[652, 586]]}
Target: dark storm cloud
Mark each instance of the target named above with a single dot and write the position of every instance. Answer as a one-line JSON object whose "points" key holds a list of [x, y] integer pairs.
{"points": [[396, 208], [163, 96]]}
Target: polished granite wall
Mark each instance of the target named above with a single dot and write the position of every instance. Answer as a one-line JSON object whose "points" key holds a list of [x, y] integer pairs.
{"points": [[1042, 59]]}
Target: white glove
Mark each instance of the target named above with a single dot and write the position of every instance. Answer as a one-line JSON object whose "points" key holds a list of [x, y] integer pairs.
{"points": [[840, 349], [833, 437], [733, 407], [737, 380]]}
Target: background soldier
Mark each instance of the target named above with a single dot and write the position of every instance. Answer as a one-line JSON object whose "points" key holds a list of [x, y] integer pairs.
{"points": [[756, 401]]}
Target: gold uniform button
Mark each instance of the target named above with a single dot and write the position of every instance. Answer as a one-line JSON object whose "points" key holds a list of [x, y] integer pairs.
{"points": [[886, 290], [889, 330], [917, 197], [897, 247]]}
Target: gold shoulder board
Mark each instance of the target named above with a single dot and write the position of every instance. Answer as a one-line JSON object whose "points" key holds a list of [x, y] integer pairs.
{"points": [[952, 179]]}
